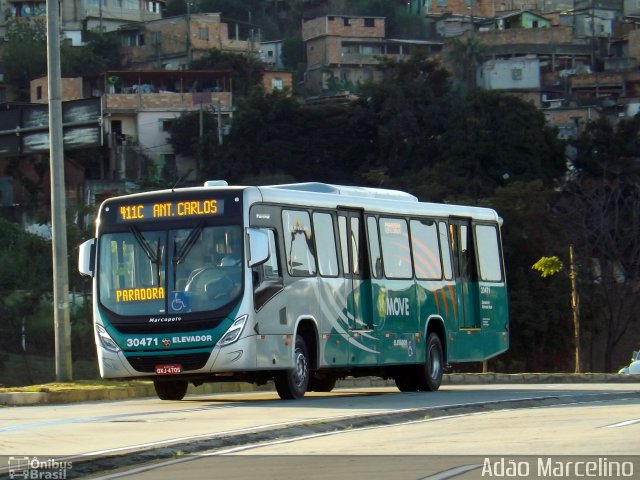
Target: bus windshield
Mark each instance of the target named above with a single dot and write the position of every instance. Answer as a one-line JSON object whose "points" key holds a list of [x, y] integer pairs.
{"points": [[165, 272]]}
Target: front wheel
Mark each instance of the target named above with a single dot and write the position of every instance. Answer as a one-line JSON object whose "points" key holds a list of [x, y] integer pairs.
{"points": [[292, 384], [171, 389]]}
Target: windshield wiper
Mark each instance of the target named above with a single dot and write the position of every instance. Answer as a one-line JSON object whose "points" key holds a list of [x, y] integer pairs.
{"points": [[188, 244], [144, 243]]}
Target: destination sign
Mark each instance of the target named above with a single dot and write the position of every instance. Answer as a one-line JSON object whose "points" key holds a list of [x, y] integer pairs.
{"points": [[137, 212]]}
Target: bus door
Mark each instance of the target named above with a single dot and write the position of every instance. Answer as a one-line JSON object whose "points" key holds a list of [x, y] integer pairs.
{"points": [[468, 341], [356, 291]]}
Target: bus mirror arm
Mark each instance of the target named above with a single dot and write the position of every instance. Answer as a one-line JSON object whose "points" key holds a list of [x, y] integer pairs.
{"points": [[258, 246], [87, 257]]}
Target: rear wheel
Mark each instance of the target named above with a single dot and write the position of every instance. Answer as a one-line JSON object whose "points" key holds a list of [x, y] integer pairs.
{"points": [[434, 364], [321, 383], [292, 384], [407, 379], [171, 390]]}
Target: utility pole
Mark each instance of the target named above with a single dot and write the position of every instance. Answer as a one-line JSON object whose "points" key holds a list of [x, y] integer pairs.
{"points": [[62, 322], [574, 309]]}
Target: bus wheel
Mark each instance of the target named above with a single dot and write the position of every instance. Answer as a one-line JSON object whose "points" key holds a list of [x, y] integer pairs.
{"points": [[321, 383], [292, 384], [434, 364], [407, 379], [171, 390]]}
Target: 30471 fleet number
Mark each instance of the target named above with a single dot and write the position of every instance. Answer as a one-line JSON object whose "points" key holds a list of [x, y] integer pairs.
{"points": [[142, 342]]}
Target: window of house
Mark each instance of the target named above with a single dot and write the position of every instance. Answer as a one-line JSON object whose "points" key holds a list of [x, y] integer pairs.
{"points": [[442, 3], [166, 124], [277, 83], [39, 92], [203, 33], [516, 74], [346, 21], [369, 22]]}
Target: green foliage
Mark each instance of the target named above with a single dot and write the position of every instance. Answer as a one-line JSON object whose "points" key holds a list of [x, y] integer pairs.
{"points": [[101, 52], [492, 139], [246, 71], [600, 209], [24, 55], [548, 266]]}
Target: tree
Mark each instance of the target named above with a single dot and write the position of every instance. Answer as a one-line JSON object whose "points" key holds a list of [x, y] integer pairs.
{"points": [[246, 71], [101, 52], [492, 138], [600, 207], [24, 55], [406, 110]]}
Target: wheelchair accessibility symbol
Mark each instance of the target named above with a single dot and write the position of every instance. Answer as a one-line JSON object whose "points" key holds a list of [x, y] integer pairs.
{"points": [[179, 302], [410, 348]]}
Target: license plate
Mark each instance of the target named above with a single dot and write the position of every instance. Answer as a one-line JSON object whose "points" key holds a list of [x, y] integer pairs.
{"points": [[168, 369]]}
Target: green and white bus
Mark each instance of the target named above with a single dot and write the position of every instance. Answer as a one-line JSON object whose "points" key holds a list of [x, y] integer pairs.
{"points": [[301, 284]]}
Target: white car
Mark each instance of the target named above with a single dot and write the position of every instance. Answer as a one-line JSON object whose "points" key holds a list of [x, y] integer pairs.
{"points": [[634, 366]]}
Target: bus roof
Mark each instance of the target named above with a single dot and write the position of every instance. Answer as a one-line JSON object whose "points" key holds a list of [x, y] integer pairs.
{"points": [[324, 195]]}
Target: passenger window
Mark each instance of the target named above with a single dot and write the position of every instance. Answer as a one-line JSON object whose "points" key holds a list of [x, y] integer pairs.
{"points": [[325, 244], [374, 248], [445, 250], [488, 253], [344, 243], [396, 256], [426, 252], [299, 245]]}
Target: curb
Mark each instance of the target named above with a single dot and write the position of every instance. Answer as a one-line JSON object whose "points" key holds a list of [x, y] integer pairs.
{"points": [[146, 389]]}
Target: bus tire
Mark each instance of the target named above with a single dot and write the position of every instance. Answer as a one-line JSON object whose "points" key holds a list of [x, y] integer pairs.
{"points": [[407, 379], [433, 365], [292, 384], [171, 390], [321, 383]]}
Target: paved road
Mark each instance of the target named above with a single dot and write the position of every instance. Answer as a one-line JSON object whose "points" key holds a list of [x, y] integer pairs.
{"points": [[488, 420]]}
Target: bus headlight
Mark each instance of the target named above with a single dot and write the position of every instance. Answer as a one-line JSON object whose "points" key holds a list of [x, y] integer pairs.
{"points": [[105, 340], [234, 331]]}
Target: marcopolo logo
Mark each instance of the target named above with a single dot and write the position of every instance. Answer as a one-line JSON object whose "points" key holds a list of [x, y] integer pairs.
{"points": [[38, 469]]}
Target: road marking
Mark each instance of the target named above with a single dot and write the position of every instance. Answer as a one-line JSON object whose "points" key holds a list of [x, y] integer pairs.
{"points": [[452, 472], [623, 424]]}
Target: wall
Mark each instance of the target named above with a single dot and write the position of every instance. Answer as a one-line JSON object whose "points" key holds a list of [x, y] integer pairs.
{"points": [[71, 89], [523, 73], [335, 25]]}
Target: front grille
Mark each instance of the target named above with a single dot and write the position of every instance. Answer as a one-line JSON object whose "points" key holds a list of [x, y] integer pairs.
{"points": [[189, 361], [177, 327]]}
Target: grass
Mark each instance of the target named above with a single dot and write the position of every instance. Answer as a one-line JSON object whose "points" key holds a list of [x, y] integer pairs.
{"points": [[34, 373], [75, 385]]}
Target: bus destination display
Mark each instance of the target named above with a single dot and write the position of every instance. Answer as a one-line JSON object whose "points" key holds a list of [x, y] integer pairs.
{"points": [[157, 211]]}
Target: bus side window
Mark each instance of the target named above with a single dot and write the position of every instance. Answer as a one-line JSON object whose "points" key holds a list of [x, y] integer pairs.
{"points": [[445, 250], [489, 262], [396, 254], [267, 278], [299, 245], [374, 248], [325, 244]]}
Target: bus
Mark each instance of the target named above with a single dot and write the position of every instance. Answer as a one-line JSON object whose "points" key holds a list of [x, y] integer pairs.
{"points": [[300, 284]]}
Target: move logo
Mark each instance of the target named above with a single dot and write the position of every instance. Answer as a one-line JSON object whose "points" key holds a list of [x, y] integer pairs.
{"points": [[398, 306]]}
